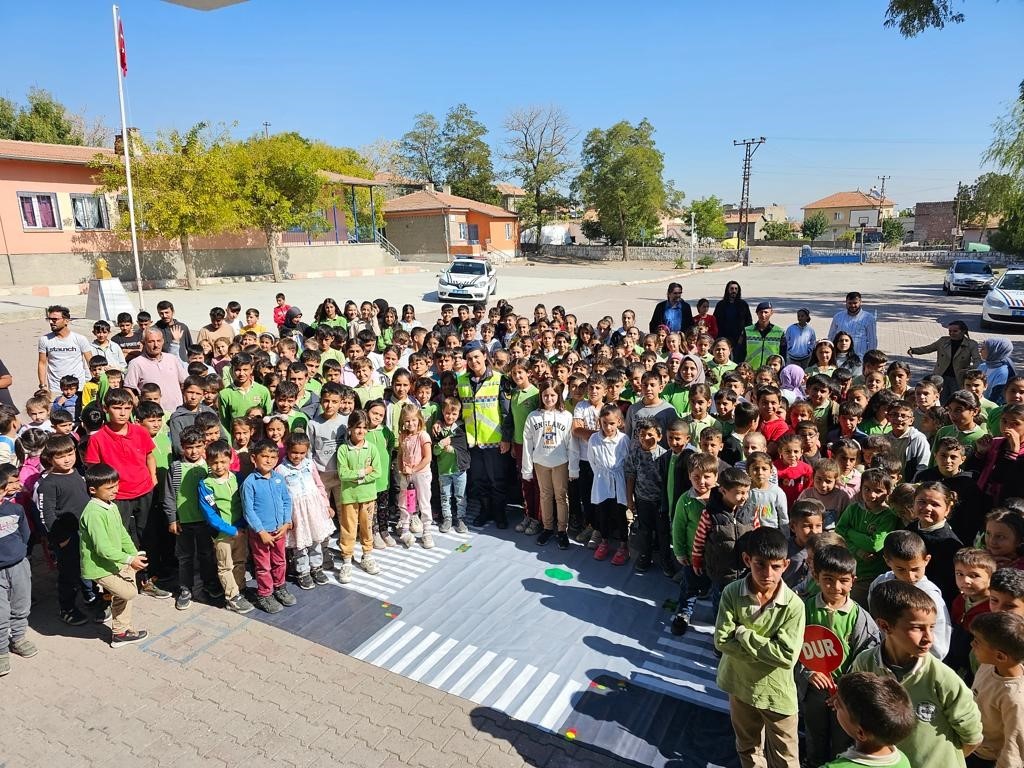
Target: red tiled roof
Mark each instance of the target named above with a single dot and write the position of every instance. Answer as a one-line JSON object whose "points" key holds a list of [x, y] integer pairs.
{"points": [[50, 153], [425, 200], [510, 189], [855, 199]]}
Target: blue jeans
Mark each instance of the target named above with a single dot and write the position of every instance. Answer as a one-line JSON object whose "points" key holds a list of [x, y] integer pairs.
{"points": [[690, 586], [453, 485]]}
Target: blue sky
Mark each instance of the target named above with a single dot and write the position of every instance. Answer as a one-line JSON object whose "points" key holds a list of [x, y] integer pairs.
{"points": [[840, 99]]}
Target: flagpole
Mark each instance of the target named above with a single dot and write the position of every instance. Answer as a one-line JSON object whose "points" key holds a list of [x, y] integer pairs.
{"points": [[125, 146]]}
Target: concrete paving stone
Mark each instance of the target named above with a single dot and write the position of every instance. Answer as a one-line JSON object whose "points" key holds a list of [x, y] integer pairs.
{"points": [[496, 758], [533, 748], [401, 744], [437, 735], [429, 756], [362, 754], [305, 731], [464, 745]]}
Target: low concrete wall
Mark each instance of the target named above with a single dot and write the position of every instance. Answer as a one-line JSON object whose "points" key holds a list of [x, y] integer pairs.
{"points": [[635, 253], [939, 258], [71, 268]]}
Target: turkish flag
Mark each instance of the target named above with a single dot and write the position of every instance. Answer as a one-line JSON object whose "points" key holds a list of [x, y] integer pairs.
{"points": [[122, 52]]}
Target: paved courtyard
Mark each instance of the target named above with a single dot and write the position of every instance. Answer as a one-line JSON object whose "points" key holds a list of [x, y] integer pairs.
{"points": [[347, 683]]}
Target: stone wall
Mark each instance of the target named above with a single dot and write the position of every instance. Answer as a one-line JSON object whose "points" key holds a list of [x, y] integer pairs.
{"points": [[934, 222], [73, 268], [636, 253], [939, 258]]}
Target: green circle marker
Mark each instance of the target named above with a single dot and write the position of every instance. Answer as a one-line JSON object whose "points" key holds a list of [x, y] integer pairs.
{"points": [[558, 574]]}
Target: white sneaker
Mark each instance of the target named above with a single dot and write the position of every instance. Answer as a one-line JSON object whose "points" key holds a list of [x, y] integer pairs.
{"points": [[521, 525], [407, 539], [369, 565], [415, 524], [427, 541], [378, 541], [345, 573], [389, 540], [533, 528]]}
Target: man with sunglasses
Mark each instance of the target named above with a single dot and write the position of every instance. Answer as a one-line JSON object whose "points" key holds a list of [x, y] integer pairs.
{"points": [[62, 352]]}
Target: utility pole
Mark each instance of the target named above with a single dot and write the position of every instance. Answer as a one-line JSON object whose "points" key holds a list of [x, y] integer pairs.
{"points": [[749, 148], [881, 198], [266, 129]]}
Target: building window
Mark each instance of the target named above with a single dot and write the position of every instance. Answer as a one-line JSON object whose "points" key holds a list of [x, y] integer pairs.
{"points": [[39, 210], [838, 216], [508, 231], [90, 212], [463, 231]]}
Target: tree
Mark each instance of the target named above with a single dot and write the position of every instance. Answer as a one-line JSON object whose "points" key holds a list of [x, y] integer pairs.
{"points": [[537, 148], [184, 188], [279, 187], [777, 230], [420, 150], [814, 226], [708, 218], [621, 179], [906, 213], [1009, 238], [892, 231], [912, 17], [1007, 148], [466, 157], [987, 197], [8, 118], [43, 119]]}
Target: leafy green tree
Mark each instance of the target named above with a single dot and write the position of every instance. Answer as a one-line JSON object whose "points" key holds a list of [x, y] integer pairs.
{"points": [[466, 157], [814, 226], [621, 179], [279, 187], [777, 230], [988, 196], [184, 188], [8, 118], [906, 213], [912, 17], [1009, 238], [1007, 148], [44, 119], [420, 151], [892, 231], [537, 147], [708, 217]]}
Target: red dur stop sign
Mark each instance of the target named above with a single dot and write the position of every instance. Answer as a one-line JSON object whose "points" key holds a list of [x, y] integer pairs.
{"points": [[822, 650]]}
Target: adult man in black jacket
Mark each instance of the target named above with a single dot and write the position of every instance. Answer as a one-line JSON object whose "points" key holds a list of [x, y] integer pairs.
{"points": [[732, 313], [673, 312]]}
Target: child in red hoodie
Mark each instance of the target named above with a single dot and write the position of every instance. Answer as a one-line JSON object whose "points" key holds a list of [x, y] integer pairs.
{"points": [[280, 310], [795, 474]]}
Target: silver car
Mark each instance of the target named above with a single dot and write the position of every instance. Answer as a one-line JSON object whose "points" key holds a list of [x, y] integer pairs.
{"points": [[968, 276]]}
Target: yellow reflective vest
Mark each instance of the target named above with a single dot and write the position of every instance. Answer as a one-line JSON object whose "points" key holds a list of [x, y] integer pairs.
{"points": [[481, 411]]}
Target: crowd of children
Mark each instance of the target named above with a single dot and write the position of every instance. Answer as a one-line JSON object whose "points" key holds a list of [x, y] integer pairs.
{"points": [[860, 540]]}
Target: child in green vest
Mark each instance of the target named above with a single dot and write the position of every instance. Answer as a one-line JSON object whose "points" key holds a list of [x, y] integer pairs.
{"points": [[830, 616], [876, 713], [948, 721], [359, 466], [186, 521], [221, 506]]}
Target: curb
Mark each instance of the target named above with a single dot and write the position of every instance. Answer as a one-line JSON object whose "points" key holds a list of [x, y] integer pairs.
{"points": [[687, 273], [82, 289]]}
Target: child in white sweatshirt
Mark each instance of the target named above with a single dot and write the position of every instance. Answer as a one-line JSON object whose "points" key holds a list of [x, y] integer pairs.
{"points": [[547, 448]]}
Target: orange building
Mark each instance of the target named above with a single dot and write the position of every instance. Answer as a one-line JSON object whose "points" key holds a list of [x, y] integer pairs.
{"points": [[436, 226]]}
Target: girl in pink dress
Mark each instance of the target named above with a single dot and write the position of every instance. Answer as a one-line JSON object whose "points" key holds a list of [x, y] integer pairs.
{"points": [[414, 475]]}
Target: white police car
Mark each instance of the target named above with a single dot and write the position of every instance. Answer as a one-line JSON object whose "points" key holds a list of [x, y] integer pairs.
{"points": [[1004, 303], [467, 279]]}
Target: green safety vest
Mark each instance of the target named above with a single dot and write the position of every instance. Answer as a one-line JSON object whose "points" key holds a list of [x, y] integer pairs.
{"points": [[760, 348], [481, 412]]}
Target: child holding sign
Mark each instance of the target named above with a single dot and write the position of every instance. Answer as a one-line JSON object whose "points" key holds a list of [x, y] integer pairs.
{"points": [[836, 630]]}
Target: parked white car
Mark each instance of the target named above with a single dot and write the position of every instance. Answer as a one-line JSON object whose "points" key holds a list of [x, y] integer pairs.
{"points": [[1004, 303], [467, 279], [968, 276]]}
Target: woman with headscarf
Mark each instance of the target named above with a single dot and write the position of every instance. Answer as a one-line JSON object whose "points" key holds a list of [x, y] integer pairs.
{"points": [[955, 354], [791, 381], [732, 313], [677, 392], [997, 366]]}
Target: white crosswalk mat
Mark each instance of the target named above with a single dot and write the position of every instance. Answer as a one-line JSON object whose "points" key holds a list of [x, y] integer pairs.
{"points": [[502, 683], [685, 667], [399, 567]]}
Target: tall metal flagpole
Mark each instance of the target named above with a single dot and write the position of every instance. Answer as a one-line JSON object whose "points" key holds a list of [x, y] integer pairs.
{"points": [[125, 146]]}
